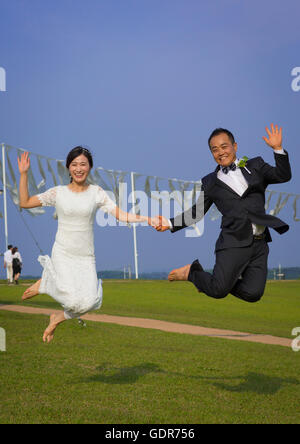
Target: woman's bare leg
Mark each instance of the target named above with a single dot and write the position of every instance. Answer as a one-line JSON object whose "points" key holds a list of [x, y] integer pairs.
{"points": [[55, 320], [32, 291]]}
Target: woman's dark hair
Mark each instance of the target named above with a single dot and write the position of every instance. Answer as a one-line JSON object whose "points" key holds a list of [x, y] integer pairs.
{"points": [[77, 151], [219, 131], [14, 250]]}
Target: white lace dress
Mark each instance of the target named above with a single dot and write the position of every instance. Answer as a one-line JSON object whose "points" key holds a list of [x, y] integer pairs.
{"points": [[69, 276]]}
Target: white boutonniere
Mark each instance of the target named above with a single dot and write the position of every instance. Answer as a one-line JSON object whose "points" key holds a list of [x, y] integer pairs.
{"points": [[242, 163]]}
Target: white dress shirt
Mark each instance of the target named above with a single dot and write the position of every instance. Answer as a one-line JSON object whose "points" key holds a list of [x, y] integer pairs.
{"points": [[8, 257]]}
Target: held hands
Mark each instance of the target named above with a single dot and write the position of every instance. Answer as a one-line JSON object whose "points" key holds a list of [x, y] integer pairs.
{"points": [[24, 163], [275, 137], [160, 223]]}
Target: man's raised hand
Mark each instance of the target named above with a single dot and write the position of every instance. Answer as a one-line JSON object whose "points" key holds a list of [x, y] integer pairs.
{"points": [[275, 137]]}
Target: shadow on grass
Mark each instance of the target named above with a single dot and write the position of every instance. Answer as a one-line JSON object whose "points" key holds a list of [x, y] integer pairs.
{"points": [[257, 383], [251, 382], [126, 375]]}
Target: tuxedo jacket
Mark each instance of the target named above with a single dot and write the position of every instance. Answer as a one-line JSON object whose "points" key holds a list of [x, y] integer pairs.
{"points": [[239, 212]]}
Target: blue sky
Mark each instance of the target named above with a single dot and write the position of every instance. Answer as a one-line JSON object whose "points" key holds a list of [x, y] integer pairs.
{"points": [[143, 83]]}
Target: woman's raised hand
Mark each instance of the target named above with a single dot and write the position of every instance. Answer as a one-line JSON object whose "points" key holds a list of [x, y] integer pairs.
{"points": [[24, 163]]}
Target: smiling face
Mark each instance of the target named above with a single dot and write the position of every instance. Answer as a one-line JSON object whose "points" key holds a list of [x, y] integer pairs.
{"points": [[79, 169], [223, 150]]}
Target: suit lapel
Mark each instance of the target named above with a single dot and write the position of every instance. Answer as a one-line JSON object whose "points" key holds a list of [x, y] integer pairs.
{"points": [[252, 178], [249, 176], [221, 183], [224, 185]]}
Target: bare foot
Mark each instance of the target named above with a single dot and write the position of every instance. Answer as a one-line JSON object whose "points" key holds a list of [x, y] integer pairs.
{"points": [[31, 291], [180, 274], [55, 319]]}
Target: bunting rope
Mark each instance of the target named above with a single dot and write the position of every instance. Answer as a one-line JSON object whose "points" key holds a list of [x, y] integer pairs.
{"points": [[112, 181]]}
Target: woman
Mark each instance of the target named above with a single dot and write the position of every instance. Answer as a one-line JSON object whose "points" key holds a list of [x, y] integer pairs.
{"points": [[69, 276], [17, 264]]}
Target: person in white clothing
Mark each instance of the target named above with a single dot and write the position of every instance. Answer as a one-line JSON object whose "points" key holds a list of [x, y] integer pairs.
{"points": [[69, 276], [8, 264], [17, 264]]}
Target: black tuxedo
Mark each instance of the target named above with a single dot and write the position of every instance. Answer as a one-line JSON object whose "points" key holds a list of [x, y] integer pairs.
{"points": [[238, 253]]}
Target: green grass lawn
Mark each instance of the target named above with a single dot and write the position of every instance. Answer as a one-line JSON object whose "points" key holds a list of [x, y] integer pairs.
{"points": [[276, 314], [112, 374]]}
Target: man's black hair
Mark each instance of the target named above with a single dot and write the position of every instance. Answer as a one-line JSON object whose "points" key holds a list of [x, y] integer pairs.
{"points": [[219, 131]]}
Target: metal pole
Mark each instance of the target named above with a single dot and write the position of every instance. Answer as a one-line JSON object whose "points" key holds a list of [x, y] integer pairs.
{"points": [[134, 229], [4, 196]]}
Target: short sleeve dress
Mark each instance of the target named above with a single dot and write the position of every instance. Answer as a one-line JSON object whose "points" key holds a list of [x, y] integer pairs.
{"points": [[70, 276]]}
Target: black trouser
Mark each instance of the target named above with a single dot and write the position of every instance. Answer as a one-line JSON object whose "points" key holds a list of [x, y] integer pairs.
{"points": [[239, 271]]}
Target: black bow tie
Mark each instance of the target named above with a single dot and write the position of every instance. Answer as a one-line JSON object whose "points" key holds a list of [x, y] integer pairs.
{"points": [[231, 167]]}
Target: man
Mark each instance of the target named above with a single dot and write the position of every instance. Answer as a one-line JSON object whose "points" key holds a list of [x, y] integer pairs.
{"points": [[8, 264], [238, 191]]}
